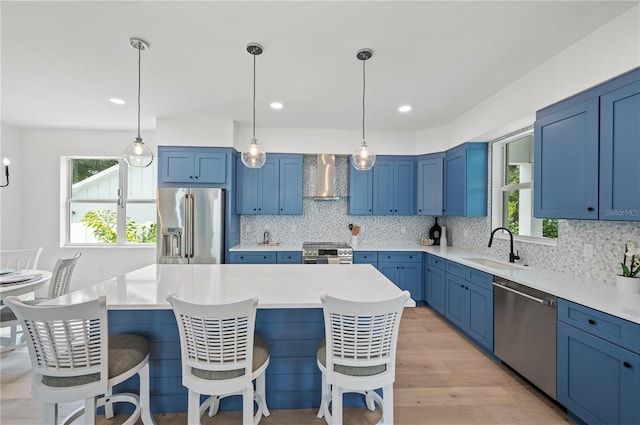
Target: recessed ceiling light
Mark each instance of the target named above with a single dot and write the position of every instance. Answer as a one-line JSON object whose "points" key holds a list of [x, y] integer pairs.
{"points": [[404, 108], [276, 105], [117, 101]]}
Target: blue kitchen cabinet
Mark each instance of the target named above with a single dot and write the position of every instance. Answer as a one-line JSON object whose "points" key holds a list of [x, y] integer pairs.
{"points": [[360, 191], [275, 188], [366, 257], [430, 184], [584, 149], [435, 292], [456, 300], [394, 185], [566, 163], [404, 269], [620, 154], [598, 365], [253, 257], [289, 257], [192, 165], [465, 180]]}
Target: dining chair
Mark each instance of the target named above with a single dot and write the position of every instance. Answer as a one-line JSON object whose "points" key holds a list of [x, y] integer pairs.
{"points": [[73, 358], [358, 353], [58, 285], [20, 259], [221, 356]]}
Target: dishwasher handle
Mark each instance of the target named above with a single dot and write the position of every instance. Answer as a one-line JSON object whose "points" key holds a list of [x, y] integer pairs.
{"points": [[536, 299]]}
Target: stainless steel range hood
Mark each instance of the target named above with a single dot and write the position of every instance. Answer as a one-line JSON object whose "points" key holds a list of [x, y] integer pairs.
{"points": [[326, 178]]}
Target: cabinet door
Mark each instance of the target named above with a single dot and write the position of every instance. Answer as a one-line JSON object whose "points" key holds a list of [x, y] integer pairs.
{"points": [[480, 315], [383, 183], [289, 257], [360, 191], [176, 167], [620, 154], [598, 381], [249, 257], [454, 183], [391, 271], [210, 167], [410, 278], [268, 187], [290, 186], [456, 300], [436, 289], [404, 183], [566, 163], [247, 189], [430, 186]]}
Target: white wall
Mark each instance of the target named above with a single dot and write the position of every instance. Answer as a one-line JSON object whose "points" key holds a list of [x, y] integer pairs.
{"points": [[11, 196], [609, 51], [40, 207], [194, 131]]}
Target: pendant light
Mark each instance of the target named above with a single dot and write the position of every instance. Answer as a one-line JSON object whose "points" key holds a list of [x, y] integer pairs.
{"points": [[137, 154], [254, 156], [363, 158]]}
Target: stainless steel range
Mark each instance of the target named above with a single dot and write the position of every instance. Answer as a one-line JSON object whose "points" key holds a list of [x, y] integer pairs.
{"points": [[326, 253]]}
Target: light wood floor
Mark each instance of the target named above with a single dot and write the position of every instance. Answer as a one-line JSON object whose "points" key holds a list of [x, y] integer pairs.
{"points": [[441, 379]]}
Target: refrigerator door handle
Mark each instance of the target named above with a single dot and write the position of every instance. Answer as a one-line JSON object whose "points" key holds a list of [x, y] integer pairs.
{"points": [[187, 226], [190, 221]]}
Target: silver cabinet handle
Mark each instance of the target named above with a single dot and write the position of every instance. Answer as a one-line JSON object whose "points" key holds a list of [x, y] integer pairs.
{"points": [[538, 300]]}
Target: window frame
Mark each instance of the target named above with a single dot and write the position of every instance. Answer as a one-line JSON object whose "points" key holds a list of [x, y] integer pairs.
{"points": [[120, 203], [498, 187]]}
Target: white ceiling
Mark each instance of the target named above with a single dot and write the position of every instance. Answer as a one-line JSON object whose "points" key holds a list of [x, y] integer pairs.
{"points": [[62, 61]]}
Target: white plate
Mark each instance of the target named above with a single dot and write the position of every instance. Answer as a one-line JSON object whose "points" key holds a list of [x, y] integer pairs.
{"points": [[6, 271], [17, 278]]}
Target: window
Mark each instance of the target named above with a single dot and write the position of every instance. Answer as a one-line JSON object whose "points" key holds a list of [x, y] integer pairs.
{"points": [[109, 203], [512, 203]]}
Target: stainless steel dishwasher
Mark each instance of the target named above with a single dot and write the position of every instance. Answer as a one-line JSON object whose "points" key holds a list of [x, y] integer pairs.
{"points": [[525, 332]]}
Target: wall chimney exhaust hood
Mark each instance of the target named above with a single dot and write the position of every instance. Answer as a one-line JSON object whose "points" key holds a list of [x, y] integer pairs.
{"points": [[326, 178]]}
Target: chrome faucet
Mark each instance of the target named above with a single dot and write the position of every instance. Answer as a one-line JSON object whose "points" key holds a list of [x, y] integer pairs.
{"points": [[512, 257], [265, 237]]}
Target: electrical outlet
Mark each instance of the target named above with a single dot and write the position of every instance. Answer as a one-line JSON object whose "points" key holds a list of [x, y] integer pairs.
{"points": [[466, 233], [247, 228], [587, 250], [403, 230], [294, 229]]}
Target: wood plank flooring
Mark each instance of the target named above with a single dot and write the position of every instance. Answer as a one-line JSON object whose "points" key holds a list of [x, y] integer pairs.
{"points": [[441, 379]]}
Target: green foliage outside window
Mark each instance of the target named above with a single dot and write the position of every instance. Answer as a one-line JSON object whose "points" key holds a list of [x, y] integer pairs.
{"points": [[86, 167], [104, 226]]}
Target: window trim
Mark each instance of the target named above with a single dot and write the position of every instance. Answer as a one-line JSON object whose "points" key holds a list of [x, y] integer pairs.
{"points": [[498, 154], [120, 204]]}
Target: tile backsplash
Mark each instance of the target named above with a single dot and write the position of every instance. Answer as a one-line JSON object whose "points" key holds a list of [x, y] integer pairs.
{"points": [[328, 221]]}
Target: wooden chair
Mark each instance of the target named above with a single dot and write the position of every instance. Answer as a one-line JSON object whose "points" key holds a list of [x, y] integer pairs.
{"points": [[221, 356], [358, 353], [74, 358], [58, 285]]}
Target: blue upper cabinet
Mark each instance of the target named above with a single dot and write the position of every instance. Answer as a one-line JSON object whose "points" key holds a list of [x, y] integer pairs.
{"points": [[193, 166], [620, 154], [586, 148], [429, 184], [275, 188], [465, 180], [394, 180], [566, 163], [360, 191]]}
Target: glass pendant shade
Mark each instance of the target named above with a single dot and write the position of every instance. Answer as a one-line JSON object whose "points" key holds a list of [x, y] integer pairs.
{"points": [[254, 156], [137, 154], [363, 158]]}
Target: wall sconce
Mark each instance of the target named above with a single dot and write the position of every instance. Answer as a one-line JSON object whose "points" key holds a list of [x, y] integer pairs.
{"points": [[5, 162]]}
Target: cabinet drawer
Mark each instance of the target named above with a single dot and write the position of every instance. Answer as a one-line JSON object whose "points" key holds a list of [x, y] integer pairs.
{"points": [[482, 279], [457, 269], [394, 256], [365, 257], [253, 257], [289, 257], [613, 329], [438, 262]]}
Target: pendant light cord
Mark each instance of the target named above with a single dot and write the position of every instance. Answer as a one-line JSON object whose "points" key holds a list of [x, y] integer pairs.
{"points": [[139, 91], [363, 90], [254, 98]]}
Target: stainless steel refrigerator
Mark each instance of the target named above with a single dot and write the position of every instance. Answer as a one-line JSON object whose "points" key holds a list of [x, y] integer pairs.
{"points": [[190, 225]]}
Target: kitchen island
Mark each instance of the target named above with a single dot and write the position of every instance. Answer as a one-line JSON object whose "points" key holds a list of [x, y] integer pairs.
{"points": [[289, 317]]}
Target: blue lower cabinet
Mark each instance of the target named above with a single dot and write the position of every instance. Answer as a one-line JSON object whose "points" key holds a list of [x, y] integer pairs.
{"points": [[404, 269], [289, 257], [456, 300], [252, 257], [435, 291], [366, 257], [598, 380]]}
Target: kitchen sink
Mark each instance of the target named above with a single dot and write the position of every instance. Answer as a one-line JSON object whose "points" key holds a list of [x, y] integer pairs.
{"points": [[269, 243], [494, 264]]}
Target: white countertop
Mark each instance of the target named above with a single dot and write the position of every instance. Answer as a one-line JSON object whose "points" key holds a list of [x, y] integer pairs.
{"points": [[579, 289], [277, 286]]}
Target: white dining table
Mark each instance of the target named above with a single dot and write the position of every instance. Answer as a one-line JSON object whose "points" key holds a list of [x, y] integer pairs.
{"points": [[40, 278]]}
